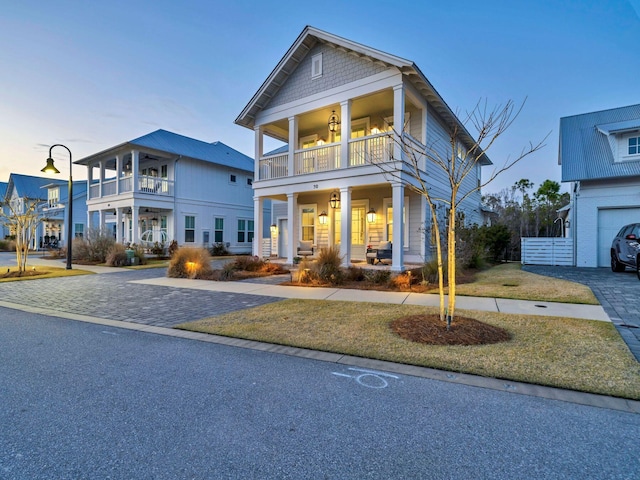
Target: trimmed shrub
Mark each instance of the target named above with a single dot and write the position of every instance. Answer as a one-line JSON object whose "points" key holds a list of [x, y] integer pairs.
{"points": [[173, 247], [117, 256], [190, 263], [379, 277], [354, 274], [93, 247], [327, 266], [219, 249]]}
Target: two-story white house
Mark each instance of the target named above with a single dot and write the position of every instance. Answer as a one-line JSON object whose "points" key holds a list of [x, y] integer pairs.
{"points": [[164, 186], [599, 153], [347, 114]]}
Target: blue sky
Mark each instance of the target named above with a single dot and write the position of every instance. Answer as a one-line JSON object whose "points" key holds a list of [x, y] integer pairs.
{"points": [[91, 75]]}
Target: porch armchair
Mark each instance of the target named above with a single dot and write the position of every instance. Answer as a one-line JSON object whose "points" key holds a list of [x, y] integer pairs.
{"points": [[305, 249], [384, 251]]}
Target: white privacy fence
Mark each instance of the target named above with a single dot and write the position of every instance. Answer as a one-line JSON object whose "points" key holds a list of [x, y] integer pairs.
{"points": [[547, 251]]}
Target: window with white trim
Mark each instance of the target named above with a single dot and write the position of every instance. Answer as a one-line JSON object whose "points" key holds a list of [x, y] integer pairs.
{"points": [[53, 197], [316, 65], [78, 230], [218, 230], [633, 146], [245, 231], [308, 223], [189, 229]]}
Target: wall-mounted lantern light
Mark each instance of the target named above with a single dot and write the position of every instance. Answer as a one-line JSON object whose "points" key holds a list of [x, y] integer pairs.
{"points": [[274, 229], [322, 218], [371, 215], [334, 201]]}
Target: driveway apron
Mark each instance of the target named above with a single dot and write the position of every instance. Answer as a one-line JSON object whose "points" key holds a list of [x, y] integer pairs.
{"points": [[618, 293], [112, 296]]}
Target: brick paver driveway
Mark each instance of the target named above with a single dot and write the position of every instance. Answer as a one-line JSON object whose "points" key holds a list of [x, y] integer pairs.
{"points": [[618, 293], [113, 297]]}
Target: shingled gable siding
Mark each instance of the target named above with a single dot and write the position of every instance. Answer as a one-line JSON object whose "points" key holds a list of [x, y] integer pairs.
{"points": [[338, 68]]}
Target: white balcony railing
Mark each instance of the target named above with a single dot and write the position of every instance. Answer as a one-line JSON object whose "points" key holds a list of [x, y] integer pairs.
{"points": [[369, 150], [146, 184], [275, 166], [317, 159]]}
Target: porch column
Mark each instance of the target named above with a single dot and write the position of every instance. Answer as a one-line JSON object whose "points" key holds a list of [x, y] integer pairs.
{"points": [[398, 121], [101, 181], [345, 226], [135, 234], [258, 206], [89, 180], [258, 149], [292, 216], [118, 173], [101, 221], [135, 167], [293, 140], [345, 132], [118, 224], [397, 259], [89, 220]]}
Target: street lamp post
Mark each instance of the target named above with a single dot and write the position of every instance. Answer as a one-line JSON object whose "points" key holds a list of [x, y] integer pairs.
{"points": [[50, 168]]}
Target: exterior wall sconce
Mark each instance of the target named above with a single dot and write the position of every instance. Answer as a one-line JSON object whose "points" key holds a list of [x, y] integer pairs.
{"points": [[371, 215], [322, 218], [375, 130], [321, 142], [334, 201], [334, 122], [274, 229]]}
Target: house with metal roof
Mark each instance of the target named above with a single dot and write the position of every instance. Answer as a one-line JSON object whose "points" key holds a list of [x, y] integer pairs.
{"points": [[164, 186], [348, 115], [51, 195], [599, 153]]}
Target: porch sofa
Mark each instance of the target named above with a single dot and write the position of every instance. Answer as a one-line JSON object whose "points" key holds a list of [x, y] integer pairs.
{"points": [[384, 251]]}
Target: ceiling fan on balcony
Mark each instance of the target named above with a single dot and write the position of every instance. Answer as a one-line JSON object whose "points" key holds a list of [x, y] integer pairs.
{"points": [[148, 157]]}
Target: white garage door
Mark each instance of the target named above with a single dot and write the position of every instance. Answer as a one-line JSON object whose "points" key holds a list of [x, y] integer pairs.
{"points": [[610, 221]]}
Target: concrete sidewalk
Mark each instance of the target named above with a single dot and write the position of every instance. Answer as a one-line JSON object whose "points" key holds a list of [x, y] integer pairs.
{"points": [[589, 312]]}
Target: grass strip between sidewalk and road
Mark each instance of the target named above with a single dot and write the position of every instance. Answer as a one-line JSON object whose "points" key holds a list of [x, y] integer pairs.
{"points": [[568, 353], [38, 272]]}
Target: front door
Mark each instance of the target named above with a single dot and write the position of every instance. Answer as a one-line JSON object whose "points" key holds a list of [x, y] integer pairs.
{"points": [[283, 237]]}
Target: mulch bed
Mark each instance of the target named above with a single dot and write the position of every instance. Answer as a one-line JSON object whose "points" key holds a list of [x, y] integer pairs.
{"points": [[428, 329], [26, 273]]}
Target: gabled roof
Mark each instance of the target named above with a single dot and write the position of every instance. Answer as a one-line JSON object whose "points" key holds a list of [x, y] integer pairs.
{"points": [[585, 150], [179, 145], [309, 37], [28, 186]]}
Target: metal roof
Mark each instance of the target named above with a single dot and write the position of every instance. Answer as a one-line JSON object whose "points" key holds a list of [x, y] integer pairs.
{"points": [[301, 47], [585, 149], [179, 145], [29, 186]]}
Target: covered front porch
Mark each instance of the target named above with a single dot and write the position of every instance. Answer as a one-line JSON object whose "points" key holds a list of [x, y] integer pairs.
{"points": [[353, 219], [140, 225]]}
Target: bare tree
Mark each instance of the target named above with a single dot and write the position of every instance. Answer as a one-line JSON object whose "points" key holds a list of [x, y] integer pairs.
{"points": [[22, 217], [458, 161]]}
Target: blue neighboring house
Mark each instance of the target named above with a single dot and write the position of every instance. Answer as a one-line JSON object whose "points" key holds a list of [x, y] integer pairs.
{"points": [[600, 156], [4, 231], [52, 195]]}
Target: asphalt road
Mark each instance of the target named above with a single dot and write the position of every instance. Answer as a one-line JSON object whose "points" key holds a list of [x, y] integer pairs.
{"points": [[86, 401]]}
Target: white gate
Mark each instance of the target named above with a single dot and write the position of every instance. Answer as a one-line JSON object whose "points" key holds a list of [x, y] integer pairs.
{"points": [[547, 251]]}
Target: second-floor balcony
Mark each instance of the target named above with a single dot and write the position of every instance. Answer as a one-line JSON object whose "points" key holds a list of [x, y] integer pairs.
{"points": [[370, 150], [145, 184]]}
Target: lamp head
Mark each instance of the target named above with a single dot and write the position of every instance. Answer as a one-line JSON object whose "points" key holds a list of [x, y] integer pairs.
{"points": [[50, 167]]}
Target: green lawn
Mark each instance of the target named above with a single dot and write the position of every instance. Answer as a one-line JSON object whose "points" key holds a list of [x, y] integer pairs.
{"points": [[568, 353]]}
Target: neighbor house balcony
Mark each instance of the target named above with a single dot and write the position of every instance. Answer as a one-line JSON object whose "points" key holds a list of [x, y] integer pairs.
{"points": [[149, 185]]}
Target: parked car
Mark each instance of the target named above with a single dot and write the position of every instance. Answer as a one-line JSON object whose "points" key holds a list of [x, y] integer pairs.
{"points": [[625, 249]]}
